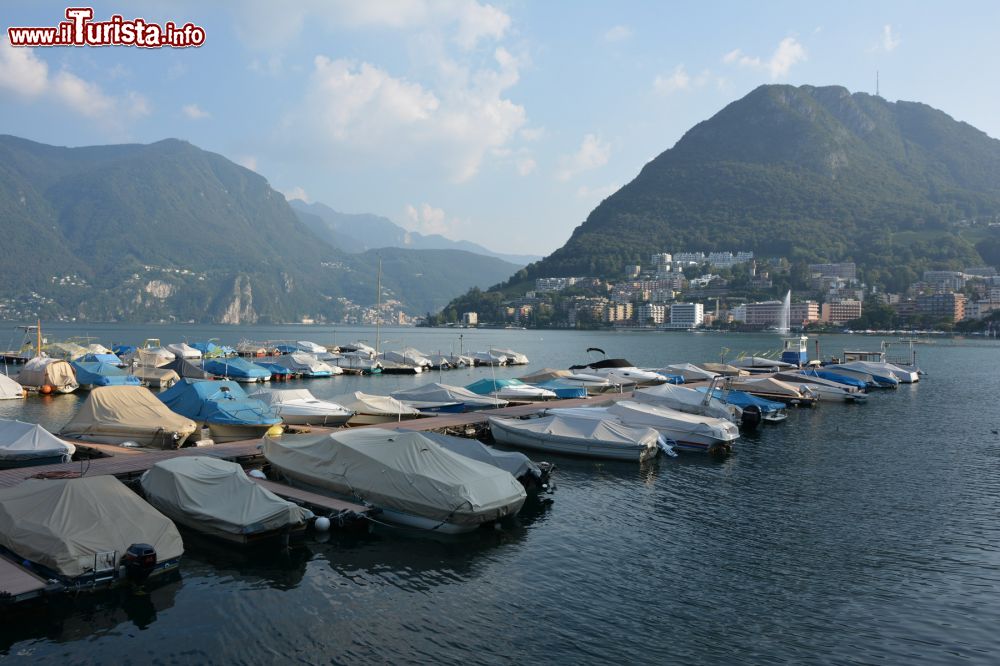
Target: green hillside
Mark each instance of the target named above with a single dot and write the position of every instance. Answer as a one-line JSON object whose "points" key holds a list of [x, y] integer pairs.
{"points": [[808, 173]]}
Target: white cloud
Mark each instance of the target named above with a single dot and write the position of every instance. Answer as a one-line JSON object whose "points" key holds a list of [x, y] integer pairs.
{"points": [[618, 33], [427, 219], [364, 108], [195, 112], [597, 193], [27, 76], [476, 21], [532, 133], [788, 53], [593, 153], [678, 80], [525, 166], [296, 193], [890, 40]]}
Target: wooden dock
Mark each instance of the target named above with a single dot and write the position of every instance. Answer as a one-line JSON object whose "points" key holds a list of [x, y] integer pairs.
{"points": [[18, 584], [314, 501]]}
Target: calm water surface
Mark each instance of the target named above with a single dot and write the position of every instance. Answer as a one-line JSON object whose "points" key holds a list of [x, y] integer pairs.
{"points": [[849, 534]]}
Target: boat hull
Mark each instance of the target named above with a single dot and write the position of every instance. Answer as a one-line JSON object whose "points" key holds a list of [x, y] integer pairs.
{"points": [[226, 432], [375, 419], [316, 419]]}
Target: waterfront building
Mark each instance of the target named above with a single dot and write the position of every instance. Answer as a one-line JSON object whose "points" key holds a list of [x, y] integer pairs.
{"points": [[470, 318], [840, 311], [946, 305], [651, 313], [686, 315]]}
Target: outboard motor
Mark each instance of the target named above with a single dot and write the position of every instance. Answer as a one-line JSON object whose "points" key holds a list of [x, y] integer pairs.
{"points": [[751, 417], [139, 561]]}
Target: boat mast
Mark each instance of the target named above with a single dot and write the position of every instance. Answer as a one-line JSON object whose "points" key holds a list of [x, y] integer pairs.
{"points": [[378, 309]]}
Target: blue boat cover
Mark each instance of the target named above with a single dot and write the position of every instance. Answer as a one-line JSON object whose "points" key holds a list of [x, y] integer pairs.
{"points": [[223, 402], [208, 349], [101, 358], [672, 379], [836, 377], [744, 400], [102, 374], [881, 380], [123, 350], [275, 369], [564, 389], [235, 367], [487, 386]]}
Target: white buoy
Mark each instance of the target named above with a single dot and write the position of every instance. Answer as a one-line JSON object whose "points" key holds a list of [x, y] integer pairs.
{"points": [[322, 524], [257, 474]]}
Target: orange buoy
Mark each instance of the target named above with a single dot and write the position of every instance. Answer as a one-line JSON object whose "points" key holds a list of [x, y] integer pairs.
{"points": [[45, 389]]}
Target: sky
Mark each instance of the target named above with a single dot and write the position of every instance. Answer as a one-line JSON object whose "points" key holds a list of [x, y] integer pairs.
{"points": [[501, 123]]}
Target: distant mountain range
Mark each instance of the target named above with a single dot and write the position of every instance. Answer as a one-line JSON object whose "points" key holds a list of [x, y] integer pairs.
{"points": [[167, 230], [357, 232], [808, 173]]}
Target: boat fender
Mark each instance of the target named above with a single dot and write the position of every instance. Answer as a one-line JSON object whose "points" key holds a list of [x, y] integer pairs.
{"points": [[257, 474], [322, 524]]}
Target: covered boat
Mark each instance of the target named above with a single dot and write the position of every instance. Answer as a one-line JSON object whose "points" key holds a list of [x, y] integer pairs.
{"points": [[488, 358], [592, 383], [761, 364], [513, 357], [151, 353], [209, 349], [77, 531], [445, 393], [883, 373], [372, 409], [310, 347], [236, 368], [183, 350], [216, 497], [415, 481], [840, 378], [564, 389], [102, 357], [307, 365], [824, 389], [93, 374], [688, 400], [222, 406], [119, 414], [186, 368], [67, 351], [300, 407], [510, 389], [9, 389], [690, 432], [774, 389], [407, 356], [29, 444], [156, 377], [621, 371], [723, 369], [690, 372], [568, 434], [48, 375], [768, 410], [533, 476]]}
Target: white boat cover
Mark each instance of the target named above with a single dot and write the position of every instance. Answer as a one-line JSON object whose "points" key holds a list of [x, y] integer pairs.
{"points": [[406, 357], [97, 348], [723, 369], [435, 392], [216, 496], [377, 405], [796, 379], [42, 371], [689, 371], [155, 376], [513, 357], [567, 425], [130, 412], [305, 363], [64, 524], [767, 385], [760, 362], [637, 414], [9, 389], [277, 398], [548, 374], [517, 464], [882, 369], [152, 358], [400, 470], [68, 351], [30, 441], [183, 350], [686, 400], [310, 347]]}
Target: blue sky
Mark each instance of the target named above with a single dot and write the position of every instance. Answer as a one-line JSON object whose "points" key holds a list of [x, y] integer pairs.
{"points": [[501, 123]]}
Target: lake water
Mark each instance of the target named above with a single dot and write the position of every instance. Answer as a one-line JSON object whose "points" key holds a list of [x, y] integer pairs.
{"points": [[849, 534]]}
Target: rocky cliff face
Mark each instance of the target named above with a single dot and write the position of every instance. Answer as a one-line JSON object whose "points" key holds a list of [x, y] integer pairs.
{"points": [[240, 307]]}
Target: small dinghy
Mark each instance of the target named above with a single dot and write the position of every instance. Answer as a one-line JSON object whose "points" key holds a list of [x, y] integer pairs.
{"points": [[412, 479], [215, 497], [29, 444]]}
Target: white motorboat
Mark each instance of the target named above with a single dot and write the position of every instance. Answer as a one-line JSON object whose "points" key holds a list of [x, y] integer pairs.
{"points": [[412, 479], [510, 389], [9, 389], [300, 407], [686, 431], [407, 356], [688, 400], [489, 358], [569, 434], [443, 393], [621, 371], [884, 369], [593, 383]]}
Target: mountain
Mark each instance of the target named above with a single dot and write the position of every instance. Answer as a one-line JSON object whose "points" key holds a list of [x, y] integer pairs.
{"points": [[167, 230], [357, 232], [810, 173]]}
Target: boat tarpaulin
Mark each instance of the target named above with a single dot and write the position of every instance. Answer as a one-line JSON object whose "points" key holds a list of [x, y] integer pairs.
{"points": [[9, 389], [689, 371], [64, 524], [91, 373], [29, 441], [436, 392], [42, 370], [127, 411], [235, 367], [213, 495], [568, 425], [221, 402], [517, 464], [401, 470], [380, 405]]}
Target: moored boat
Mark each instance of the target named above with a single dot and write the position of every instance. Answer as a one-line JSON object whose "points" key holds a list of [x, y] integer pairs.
{"points": [[29, 444], [236, 368], [183, 350], [215, 497], [374, 409], [581, 436], [9, 389], [621, 371], [47, 375], [444, 393], [90, 374], [510, 389], [222, 406], [119, 414], [412, 479], [300, 407]]}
